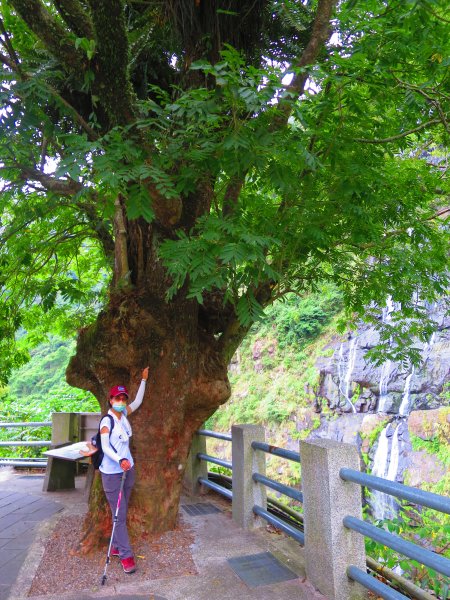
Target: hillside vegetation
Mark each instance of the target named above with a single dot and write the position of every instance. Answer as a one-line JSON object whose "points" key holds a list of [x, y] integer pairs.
{"points": [[273, 374], [38, 389]]}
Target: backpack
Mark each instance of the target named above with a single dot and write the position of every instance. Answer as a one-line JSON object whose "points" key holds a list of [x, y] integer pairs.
{"points": [[96, 459]]}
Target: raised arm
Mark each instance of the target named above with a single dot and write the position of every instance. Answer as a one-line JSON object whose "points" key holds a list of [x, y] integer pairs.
{"points": [[140, 394]]}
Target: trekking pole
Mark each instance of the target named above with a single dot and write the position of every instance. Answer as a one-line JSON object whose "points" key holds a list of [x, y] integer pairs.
{"points": [[108, 556]]}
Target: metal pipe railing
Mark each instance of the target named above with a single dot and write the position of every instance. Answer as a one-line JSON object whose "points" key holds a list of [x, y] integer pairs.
{"points": [[278, 487], [215, 434], [215, 460], [25, 424], [26, 443], [24, 461], [299, 536], [275, 450], [373, 584], [398, 490], [434, 501], [216, 487], [29, 463], [28, 458], [423, 556]]}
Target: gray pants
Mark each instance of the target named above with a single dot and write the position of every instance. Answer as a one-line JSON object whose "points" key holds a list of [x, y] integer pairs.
{"points": [[111, 486]]}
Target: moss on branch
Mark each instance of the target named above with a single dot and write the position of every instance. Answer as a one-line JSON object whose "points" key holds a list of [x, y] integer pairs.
{"points": [[52, 34], [112, 82], [76, 17]]}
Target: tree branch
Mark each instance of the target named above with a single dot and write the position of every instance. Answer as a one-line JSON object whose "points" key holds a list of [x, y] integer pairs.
{"points": [[231, 197], [434, 13], [64, 187], [432, 100], [233, 331], [395, 232], [112, 82], [51, 34], [8, 62], [398, 136], [10, 49], [121, 265], [320, 33], [76, 18], [92, 135], [68, 188]]}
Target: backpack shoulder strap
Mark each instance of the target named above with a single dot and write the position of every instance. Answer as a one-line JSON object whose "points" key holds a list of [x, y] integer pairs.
{"points": [[112, 423]]}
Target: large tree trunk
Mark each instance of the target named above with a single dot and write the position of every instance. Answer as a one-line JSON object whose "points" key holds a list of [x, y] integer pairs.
{"points": [[187, 382]]}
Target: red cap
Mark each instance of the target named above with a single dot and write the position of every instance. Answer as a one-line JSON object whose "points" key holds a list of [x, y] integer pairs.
{"points": [[117, 390]]}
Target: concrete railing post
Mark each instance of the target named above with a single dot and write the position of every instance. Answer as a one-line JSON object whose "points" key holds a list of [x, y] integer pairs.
{"points": [[246, 461], [65, 428], [60, 474], [195, 467], [329, 547]]}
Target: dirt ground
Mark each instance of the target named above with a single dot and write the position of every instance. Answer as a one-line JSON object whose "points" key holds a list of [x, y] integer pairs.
{"points": [[61, 568]]}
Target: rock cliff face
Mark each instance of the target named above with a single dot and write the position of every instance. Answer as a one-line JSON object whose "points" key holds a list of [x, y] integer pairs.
{"points": [[385, 441], [403, 402], [350, 383]]}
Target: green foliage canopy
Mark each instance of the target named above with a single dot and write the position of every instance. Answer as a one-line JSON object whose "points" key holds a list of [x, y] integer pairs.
{"points": [[181, 115]]}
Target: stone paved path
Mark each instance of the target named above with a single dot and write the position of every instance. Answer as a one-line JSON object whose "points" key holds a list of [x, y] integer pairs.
{"points": [[27, 516], [20, 514]]}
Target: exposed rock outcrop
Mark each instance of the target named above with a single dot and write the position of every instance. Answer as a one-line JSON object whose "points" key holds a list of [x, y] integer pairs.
{"points": [[351, 383]]}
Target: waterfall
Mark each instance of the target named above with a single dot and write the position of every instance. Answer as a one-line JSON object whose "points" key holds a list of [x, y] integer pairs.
{"points": [[384, 380], [346, 377], [341, 364], [380, 460], [428, 347], [379, 468], [350, 367], [394, 457], [387, 310], [404, 409], [386, 367], [385, 464]]}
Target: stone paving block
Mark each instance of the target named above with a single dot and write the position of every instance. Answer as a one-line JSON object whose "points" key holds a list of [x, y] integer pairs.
{"points": [[9, 572], [43, 513], [7, 555], [8, 520], [26, 502], [5, 493], [4, 541], [9, 498], [16, 529], [6, 510], [21, 542], [31, 507], [4, 591]]}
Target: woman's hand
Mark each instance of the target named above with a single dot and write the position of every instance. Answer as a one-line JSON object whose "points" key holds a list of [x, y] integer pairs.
{"points": [[145, 373], [125, 464], [90, 451]]}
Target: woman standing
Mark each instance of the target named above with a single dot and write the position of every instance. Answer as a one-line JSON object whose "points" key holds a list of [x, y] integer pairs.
{"points": [[117, 458]]}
